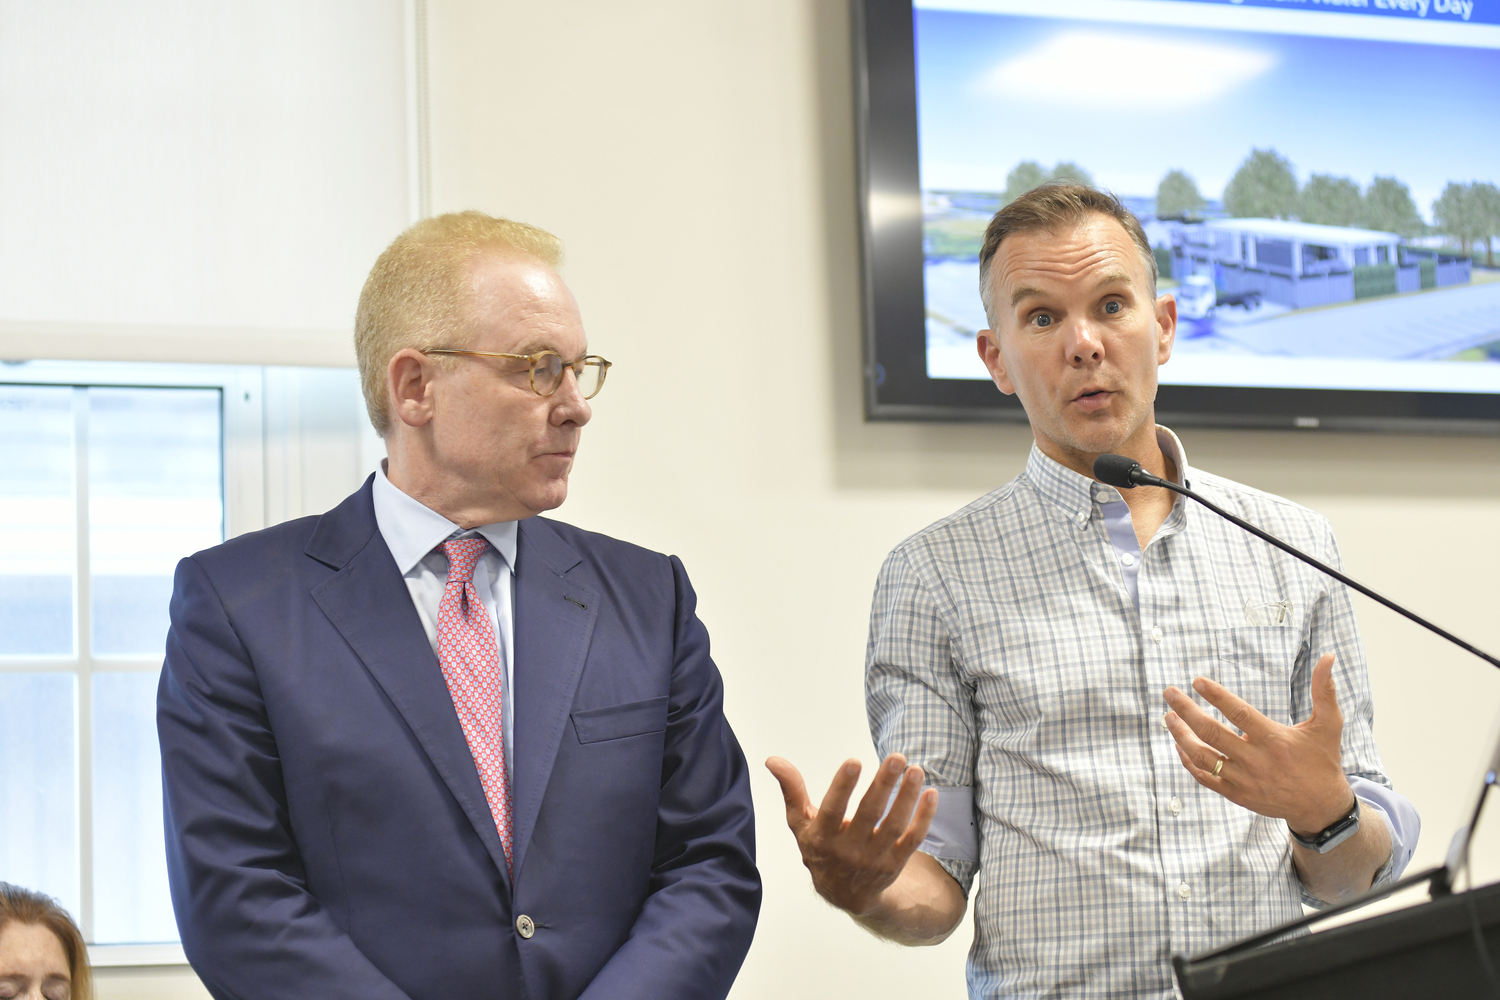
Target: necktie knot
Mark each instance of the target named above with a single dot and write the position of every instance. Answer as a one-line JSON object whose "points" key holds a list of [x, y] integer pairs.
{"points": [[463, 555]]}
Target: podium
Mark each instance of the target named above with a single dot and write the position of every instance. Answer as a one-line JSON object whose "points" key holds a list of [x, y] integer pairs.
{"points": [[1428, 950]]}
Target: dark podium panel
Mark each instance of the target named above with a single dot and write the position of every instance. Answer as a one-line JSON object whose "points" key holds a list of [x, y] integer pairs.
{"points": [[1423, 951]]}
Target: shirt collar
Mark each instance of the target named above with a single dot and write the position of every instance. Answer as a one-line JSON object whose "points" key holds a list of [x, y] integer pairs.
{"points": [[411, 529], [1075, 494]]}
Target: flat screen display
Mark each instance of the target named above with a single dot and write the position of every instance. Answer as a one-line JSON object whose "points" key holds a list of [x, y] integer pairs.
{"points": [[1318, 181]]}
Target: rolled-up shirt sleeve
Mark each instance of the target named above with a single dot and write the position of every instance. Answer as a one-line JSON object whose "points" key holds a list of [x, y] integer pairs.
{"points": [[920, 706], [953, 835], [1400, 816]]}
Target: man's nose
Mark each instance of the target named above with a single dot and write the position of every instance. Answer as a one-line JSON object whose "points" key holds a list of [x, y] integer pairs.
{"points": [[569, 406], [1083, 343]]}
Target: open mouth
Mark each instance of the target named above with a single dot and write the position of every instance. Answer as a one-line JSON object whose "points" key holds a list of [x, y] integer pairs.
{"points": [[1093, 399]]}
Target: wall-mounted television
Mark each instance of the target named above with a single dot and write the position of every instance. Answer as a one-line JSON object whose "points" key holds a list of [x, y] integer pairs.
{"points": [[1320, 181]]}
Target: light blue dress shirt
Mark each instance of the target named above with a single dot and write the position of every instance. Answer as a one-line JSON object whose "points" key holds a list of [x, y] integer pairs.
{"points": [[413, 532]]}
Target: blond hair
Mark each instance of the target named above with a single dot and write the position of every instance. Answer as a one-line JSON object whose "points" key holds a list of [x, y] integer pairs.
{"points": [[417, 294], [1050, 208], [24, 906]]}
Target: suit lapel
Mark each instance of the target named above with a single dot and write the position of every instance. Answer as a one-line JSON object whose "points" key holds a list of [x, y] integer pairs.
{"points": [[555, 611], [367, 601]]}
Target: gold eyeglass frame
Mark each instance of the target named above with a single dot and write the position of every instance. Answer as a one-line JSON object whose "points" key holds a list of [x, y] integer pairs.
{"points": [[535, 359]]}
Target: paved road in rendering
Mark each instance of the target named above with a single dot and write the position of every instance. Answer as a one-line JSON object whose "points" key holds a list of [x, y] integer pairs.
{"points": [[1420, 326]]}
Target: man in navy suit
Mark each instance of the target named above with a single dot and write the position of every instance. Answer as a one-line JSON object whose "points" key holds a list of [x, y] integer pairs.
{"points": [[430, 745]]}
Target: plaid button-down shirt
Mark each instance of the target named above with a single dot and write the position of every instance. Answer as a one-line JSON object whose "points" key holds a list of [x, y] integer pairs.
{"points": [[1012, 660]]}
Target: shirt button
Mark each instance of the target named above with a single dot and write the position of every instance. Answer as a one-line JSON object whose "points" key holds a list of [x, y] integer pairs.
{"points": [[1081, 516], [1175, 807], [1156, 633], [1183, 892], [1127, 559], [526, 927]]}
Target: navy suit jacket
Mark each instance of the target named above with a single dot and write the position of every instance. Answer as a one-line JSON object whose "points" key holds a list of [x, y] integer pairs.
{"points": [[327, 834]]}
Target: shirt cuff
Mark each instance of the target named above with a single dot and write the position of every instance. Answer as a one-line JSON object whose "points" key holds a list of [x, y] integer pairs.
{"points": [[1400, 815], [953, 835]]}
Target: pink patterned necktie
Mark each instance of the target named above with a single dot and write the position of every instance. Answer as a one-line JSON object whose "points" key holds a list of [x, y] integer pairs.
{"points": [[470, 660]]}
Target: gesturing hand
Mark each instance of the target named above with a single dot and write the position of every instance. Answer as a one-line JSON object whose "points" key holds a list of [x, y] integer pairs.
{"points": [[854, 860], [1288, 772]]}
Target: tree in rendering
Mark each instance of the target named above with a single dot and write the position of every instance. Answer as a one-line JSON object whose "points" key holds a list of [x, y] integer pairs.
{"points": [[1263, 187], [1389, 208], [1487, 198], [1030, 174], [1459, 212], [1026, 175], [1177, 196], [1331, 201], [1071, 173]]}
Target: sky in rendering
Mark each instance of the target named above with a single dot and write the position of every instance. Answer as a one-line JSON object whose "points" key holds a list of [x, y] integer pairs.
{"points": [[1130, 102]]}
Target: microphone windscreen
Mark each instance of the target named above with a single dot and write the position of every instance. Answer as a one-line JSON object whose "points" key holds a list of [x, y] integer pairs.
{"points": [[1116, 471]]}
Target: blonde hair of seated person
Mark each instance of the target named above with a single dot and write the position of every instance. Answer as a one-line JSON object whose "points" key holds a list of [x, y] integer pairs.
{"points": [[18, 905]]}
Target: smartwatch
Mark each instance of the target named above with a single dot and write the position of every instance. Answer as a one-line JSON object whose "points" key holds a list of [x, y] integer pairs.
{"points": [[1332, 835]]}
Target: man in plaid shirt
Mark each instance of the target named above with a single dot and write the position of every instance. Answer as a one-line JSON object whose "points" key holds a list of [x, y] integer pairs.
{"points": [[1031, 658]]}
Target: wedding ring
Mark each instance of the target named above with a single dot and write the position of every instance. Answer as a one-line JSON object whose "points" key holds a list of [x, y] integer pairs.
{"points": [[1219, 766]]}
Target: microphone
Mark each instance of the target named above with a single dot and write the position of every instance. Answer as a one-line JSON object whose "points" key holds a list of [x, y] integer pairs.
{"points": [[1126, 474], [1123, 473]]}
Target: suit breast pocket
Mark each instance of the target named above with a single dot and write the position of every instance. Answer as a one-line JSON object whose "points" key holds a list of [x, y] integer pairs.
{"points": [[618, 722], [1256, 664]]}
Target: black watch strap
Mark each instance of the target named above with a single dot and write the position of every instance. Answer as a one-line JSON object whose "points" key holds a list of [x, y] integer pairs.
{"points": [[1332, 835]]}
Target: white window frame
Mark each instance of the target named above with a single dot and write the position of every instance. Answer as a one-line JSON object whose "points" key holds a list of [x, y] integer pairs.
{"points": [[243, 450]]}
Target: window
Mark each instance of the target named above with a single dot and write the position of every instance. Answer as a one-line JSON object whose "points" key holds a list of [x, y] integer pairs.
{"points": [[112, 473], [1321, 260], [1274, 253]]}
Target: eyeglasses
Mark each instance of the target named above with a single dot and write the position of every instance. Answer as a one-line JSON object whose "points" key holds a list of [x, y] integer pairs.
{"points": [[547, 369]]}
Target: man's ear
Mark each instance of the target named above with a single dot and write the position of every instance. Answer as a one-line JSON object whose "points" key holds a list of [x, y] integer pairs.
{"points": [[409, 379], [1166, 327], [989, 352]]}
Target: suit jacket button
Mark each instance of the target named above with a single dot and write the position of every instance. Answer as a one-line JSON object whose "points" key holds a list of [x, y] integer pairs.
{"points": [[525, 926]]}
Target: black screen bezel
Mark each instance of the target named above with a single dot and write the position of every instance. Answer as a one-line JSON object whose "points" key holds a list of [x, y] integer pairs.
{"points": [[896, 382]]}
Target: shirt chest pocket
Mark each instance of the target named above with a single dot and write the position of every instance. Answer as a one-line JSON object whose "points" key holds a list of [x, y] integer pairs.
{"points": [[617, 722], [1256, 663]]}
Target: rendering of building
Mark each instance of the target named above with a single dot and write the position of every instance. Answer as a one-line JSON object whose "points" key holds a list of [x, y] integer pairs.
{"points": [[1300, 264]]}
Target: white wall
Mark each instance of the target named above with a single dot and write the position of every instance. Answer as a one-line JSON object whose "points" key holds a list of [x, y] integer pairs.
{"points": [[698, 161]]}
